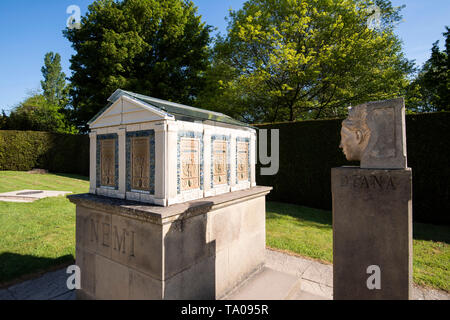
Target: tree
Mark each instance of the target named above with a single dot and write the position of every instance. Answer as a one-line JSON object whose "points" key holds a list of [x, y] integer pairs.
{"points": [[54, 85], [37, 114], [301, 59], [158, 48], [43, 111], [3, 121], [430, 91]]}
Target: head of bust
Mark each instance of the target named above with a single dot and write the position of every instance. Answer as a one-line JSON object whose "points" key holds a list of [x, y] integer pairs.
{"points": [[355, 133]]}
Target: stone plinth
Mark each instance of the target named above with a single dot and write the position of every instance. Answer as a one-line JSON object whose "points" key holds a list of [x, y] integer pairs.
{"points": [[372, 226], [195, 250]]}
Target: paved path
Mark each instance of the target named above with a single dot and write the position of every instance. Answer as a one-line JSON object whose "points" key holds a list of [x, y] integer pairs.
{"points": [[315, 282], [50, 286]]}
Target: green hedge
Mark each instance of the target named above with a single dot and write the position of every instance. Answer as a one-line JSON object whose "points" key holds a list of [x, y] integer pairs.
{"points": [[309, 149], [62, 153]]}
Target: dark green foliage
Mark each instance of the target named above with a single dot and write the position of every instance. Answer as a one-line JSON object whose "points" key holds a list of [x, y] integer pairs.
{"points": [[62, 153], [428, 137], [3, 120], [309, 149], [54, 86], [36, 114], [430, 91]]}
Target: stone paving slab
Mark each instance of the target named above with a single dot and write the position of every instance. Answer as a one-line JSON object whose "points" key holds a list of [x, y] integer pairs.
{"points": [[306, 295], [287, 263], [420, 293], [320, 273], [49, 286], [70, 295], [6, 295], [317, 289], [267, 284]]}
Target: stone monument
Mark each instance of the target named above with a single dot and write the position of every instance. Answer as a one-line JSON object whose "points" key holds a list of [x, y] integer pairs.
{"points": [[173, 210], [372, 206]]}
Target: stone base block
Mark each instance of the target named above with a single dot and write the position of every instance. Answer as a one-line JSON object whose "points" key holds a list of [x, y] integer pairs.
{"points": [[196, 250], [372, 233]]}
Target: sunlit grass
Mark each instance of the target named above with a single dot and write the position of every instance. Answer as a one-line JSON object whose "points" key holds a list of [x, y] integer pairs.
{"points": [[36, 236]]}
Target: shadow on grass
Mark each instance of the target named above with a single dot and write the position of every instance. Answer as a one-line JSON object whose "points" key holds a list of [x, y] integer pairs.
{"points": [[299, 212], [72, 176], [15, 268]]}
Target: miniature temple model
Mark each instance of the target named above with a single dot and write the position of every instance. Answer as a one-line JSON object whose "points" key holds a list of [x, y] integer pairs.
{"points": [[159, 152]]}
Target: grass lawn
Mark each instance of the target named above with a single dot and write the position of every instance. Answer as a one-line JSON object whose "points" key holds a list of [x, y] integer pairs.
{"points": [[308, 232], [39, 235]]}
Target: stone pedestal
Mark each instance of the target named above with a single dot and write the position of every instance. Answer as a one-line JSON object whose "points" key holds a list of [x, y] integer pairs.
{"points": [[372, 227], [195, 250]]}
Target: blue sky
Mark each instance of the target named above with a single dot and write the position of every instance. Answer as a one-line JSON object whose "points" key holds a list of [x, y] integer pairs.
{"points": [[30, 28]]}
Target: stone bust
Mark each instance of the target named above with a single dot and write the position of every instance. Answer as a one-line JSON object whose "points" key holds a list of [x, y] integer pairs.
{"points": [[374, 133], [355, 133]]}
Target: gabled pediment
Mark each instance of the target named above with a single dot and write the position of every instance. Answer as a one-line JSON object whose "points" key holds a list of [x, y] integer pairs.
{"points": [[127, 107], [128, 110]]}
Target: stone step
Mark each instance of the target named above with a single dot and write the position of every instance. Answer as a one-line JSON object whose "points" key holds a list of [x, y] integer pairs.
{"points": [[268, 284]]}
